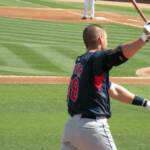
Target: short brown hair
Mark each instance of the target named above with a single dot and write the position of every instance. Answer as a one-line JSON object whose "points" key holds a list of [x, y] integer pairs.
{"points": [[90, 35]]}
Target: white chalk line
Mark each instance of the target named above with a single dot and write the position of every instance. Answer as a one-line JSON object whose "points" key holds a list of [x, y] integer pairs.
{"points": [[109, 20]]}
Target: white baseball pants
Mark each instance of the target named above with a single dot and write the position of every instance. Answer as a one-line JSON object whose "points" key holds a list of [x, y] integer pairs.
{"points": [[87, 4], [87, 134]]}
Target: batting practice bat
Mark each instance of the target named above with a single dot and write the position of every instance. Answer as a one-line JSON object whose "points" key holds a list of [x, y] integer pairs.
{"points": [[139, 10]]}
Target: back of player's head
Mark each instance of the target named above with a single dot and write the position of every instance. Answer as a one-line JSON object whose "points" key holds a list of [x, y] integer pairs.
{"points": [[91, 34]]}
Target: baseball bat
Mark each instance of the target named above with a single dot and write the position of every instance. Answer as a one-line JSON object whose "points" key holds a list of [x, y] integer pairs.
{"points": [[139, 10]]}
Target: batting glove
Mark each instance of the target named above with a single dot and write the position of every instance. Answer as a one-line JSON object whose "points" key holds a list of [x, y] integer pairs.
{"points": [[147, 27], [146, 35], [147, 106]]}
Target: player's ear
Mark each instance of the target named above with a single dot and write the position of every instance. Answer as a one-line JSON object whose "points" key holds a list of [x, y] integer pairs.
{"points": [[100, 42], [99, 39]]}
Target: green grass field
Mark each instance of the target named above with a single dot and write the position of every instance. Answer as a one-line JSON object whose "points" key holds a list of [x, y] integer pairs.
{"points": [[32, 117], [49, 48]]}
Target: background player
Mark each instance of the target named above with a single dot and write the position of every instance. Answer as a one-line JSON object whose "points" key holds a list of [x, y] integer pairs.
{"points": [[87, 4], [90, 88]]}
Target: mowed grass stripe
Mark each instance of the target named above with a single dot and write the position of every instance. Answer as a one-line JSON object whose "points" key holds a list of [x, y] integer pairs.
{"points": [[44, 31], [18, 3], [11, 70], [39, 38], [56, 4], [54, 56], [121, 34], [46, 34], [52, 31], [11, 59], [55, 60], [63, 42], [2, 61], [35, 60], [29, 118], [45, 39], [33, 24], [68, 51]]}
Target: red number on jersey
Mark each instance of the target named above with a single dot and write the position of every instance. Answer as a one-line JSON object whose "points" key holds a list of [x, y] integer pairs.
{"points": [[74, 88]]}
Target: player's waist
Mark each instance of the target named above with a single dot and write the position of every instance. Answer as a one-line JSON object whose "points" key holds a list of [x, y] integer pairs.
{"points": [[81, 118], [90, 116]]}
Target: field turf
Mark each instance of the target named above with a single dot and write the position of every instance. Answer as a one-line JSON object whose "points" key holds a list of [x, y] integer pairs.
{"points": [[49, 48], [32, 117]]}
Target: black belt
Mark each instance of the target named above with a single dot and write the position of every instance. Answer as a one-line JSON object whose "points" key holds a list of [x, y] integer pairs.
{"points": [[90, 116]]}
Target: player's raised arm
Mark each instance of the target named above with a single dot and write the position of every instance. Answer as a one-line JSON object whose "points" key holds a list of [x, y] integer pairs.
{"points": [[131, 48]]}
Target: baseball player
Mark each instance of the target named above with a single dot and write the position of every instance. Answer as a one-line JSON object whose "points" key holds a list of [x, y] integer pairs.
{"points": [[90, 88], [87, 4]]}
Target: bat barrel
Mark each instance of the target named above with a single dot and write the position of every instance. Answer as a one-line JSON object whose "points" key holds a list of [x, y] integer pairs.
{"points": [[139, 11]]}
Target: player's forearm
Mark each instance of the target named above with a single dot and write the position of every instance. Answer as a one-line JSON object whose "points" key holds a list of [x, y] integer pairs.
{"points": [[121, 94], [132, 48]]}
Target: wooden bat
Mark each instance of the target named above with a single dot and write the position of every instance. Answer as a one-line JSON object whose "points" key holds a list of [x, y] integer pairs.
{"points": [[139, 10]]}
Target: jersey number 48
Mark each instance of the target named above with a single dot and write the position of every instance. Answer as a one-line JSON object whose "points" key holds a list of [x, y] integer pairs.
{"points": [[74, 89]]}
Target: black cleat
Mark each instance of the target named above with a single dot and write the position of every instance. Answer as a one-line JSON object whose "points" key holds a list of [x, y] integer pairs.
{"points": [[84, 18], [91, 18]]}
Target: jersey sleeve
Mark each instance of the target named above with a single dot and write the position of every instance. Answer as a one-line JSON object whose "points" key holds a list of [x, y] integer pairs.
{"points": [[105, 60]]}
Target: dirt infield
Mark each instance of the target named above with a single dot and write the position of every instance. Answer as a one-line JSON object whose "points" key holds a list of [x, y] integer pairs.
{"points": [[65, 80], [62, 15], [143, 72], [68, 16]]}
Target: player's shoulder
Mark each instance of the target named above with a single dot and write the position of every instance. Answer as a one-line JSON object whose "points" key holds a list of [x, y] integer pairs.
{"points": [[92, 55], [86, 55], [102, 53]]}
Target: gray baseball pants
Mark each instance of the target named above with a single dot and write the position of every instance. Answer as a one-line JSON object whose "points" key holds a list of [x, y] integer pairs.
{"points": [[87, 134]]}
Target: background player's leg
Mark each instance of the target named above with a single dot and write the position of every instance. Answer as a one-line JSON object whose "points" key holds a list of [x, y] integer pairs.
{"points": [[92, 6], [85, 13]]}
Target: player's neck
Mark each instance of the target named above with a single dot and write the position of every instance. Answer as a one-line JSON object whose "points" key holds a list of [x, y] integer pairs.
{"points": [[96, 48], [93, 50]]}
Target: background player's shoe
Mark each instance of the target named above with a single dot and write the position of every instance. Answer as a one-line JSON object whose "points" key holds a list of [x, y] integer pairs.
{"points": [[91, 18], [84, 18]]}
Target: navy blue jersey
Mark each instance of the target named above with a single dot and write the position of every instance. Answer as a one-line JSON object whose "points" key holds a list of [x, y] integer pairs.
{"points": [[89, 84]]}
